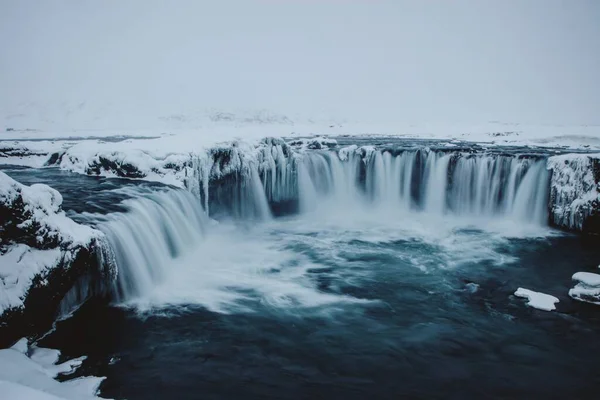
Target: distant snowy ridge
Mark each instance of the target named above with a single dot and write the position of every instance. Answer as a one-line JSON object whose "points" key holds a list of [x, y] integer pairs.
{"points": [[42, 252], [575, 191]]}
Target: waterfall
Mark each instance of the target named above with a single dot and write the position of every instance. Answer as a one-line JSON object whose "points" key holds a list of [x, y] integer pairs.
{"points": [[384, 178], [436, 181], [247, 182], [160, 227], [501, 185], [474, 185], [155, 230]]}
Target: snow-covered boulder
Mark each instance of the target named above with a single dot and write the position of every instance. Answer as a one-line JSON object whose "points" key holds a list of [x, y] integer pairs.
{"points": [[538, 300], [28, 373], [42, 254], [316, 143], [587, 288], [575, 192], [106, 159]]}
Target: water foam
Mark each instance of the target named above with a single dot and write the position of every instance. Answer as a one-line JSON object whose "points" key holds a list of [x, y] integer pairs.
{"points": [[458, 207]]}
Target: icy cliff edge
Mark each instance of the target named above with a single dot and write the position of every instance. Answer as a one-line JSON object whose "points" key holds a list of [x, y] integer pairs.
{"points": [[42, 253], [575, 192]]}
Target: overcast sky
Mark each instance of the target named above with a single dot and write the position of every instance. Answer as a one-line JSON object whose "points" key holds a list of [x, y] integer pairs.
{"points": [[469, 61]]}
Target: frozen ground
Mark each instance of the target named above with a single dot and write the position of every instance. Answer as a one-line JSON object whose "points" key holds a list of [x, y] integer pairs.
{"points": [[208, 133], [28, 373]]}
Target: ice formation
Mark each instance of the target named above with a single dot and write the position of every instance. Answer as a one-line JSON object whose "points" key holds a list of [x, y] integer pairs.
{"points": [[29, 372], [587, 288], [575, 191], [538, 300]]}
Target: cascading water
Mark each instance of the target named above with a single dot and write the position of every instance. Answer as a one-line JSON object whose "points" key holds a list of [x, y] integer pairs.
{"points": [[162, 226], [509, 186], [482, 185], [244, 183], [145, 239]]}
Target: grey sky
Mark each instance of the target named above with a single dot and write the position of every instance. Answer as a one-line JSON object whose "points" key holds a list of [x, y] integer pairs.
{"points": [[411, 61]]}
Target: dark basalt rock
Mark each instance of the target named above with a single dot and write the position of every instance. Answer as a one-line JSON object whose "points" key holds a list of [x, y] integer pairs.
{"points": [[122, 169], [55, 158], [41, 305]]}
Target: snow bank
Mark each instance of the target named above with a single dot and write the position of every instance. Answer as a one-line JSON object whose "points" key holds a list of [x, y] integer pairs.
{"points": [[219, 126], [316, 143], [365, 152], [18, 268], [587, 288], [42, 253], [29, 372], [120, 159], [541, 301], [33, 154], [33, 215], [575, 191]]}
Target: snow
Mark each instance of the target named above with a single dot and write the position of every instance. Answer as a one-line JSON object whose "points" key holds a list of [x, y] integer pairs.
{"points": [[42, 206], [573, 189], [587, 288], [153, 154], [18, 267], [149, 157], [313, 143], [538, 300], [587, 278], [55, 238], [44, 356], [345, 152], [28, 373]]}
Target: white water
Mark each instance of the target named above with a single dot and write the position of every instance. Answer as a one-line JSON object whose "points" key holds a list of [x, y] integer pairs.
{"points": [[156, 230], [240, 268], [480, 186], [169, 253]]}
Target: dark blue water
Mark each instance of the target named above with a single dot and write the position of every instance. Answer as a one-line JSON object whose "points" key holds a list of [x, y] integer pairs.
{"points": [[82, 193], [435, 338], [432, 316]]}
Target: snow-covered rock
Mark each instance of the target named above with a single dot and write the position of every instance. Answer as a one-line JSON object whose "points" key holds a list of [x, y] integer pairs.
{"points": [[538, 300], [316, 143], [364, 152], [29, 372], [42, 253], [575, 191], [587, 288], [106, 159]]}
